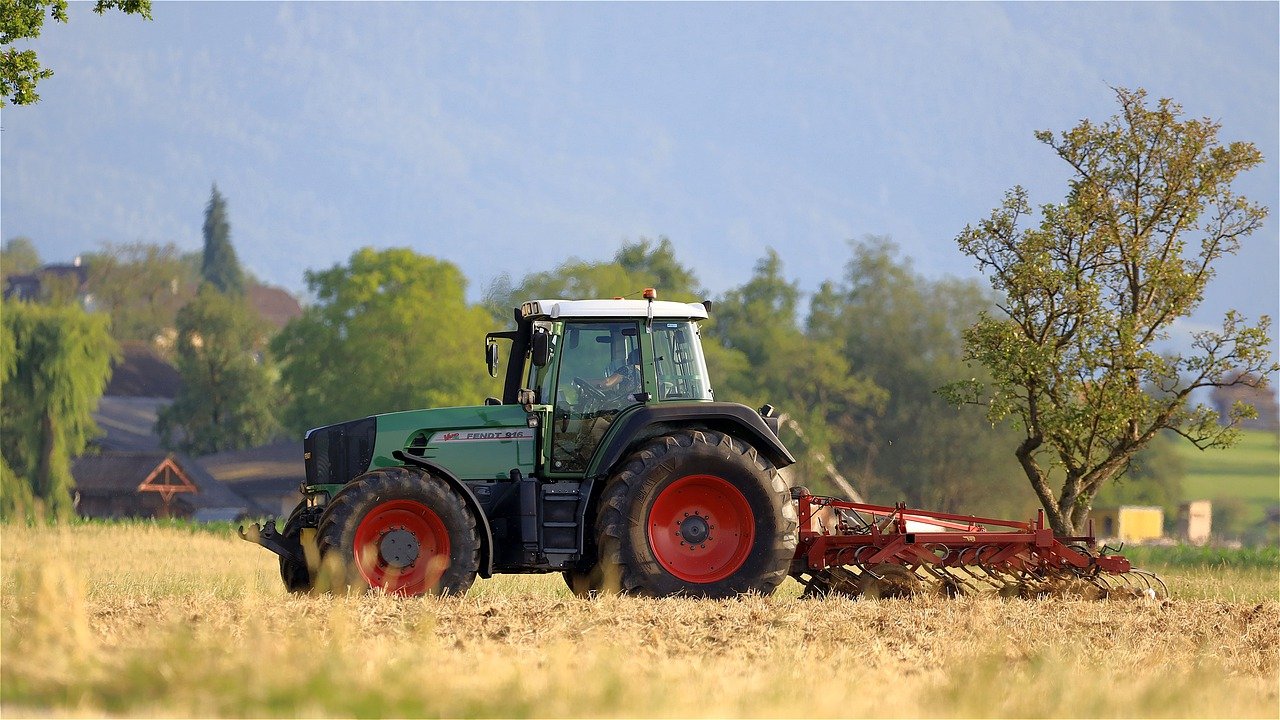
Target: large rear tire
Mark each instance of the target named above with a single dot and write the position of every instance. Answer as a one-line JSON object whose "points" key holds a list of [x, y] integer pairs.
{"points": [[401, 530], [695, 513]]}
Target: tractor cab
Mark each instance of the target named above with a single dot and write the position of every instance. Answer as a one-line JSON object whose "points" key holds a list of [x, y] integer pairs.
{"points": [[589, 361]]}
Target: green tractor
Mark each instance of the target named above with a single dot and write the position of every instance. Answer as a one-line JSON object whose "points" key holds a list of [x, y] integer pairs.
{"points": [[606, 459]]}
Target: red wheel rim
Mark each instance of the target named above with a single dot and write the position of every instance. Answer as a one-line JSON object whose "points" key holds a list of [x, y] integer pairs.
{"points": [[395, 529], [701, 528]]}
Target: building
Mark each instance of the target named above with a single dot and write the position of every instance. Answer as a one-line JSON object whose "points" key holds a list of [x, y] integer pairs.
{"points": [[1129, 523], [152, 485], [1195, 521], [268, 475], [62, 282]]}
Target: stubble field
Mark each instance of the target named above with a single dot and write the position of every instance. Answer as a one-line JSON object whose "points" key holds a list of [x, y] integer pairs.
{"points": [[140, 620]]}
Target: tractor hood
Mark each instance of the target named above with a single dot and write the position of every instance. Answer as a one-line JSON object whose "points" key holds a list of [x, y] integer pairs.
{"points": [[480, 442]]}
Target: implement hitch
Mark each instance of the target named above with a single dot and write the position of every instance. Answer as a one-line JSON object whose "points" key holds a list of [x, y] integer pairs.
{"points": [[269, 538]]}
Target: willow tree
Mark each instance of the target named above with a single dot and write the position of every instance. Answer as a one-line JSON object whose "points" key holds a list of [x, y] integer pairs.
{"points": [[56, 363], [1093, 287]]}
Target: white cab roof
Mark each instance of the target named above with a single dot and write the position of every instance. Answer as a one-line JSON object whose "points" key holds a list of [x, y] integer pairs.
{"points": [[561, 309]]}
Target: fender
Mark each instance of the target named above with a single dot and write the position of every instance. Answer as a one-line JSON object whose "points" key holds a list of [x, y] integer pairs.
{"points": [[482, 521], [641, 422], [644, 421]]}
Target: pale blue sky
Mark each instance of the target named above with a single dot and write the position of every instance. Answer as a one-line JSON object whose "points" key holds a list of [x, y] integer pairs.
{"points": [[507, 138]]}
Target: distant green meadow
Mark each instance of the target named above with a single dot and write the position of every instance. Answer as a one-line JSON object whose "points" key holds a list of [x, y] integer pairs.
{"points": [[1250, 471]]}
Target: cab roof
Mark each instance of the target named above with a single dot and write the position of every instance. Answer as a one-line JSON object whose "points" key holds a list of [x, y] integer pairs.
{"points": [[565, 309]]}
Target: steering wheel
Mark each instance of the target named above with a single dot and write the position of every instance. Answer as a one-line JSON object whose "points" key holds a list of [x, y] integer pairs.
{"points": [[589, 391]]}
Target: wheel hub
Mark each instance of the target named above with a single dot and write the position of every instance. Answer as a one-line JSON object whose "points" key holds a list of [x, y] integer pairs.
{"points": [[399, 548], [694, 530]]}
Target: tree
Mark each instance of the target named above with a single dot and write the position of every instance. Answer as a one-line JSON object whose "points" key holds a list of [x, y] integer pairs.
{"points": [[140, 286], [227, 400], [220, 267], [391, 330], [20, 70], [904, 332], [1090, 290], [635, 266], [1154, 477], [55, 364], [809, 381], [18, 257]]}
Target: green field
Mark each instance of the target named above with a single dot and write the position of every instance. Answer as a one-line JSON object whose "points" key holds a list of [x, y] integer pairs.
{"points": [[1250, 472]]}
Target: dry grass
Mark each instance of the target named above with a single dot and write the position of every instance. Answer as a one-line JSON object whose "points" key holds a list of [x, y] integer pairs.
{"points": [[142, 621]]}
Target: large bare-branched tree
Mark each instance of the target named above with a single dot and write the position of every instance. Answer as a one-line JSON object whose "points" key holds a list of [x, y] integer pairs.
{"points": [[1092, 288]]}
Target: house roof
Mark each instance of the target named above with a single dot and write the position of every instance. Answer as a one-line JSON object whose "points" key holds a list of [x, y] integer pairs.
{"points": [[122, 473], [142, 372], [275, 305], [273, 469], [128, 423]]}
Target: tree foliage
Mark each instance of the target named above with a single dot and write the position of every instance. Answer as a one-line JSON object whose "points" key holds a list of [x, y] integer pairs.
{"points": [[635, 266], [220, 267], [1096, 283], [20, 70], [18, 257], [903, 332], [140, 286], [54, 363], [390, 330], [228, 399]]}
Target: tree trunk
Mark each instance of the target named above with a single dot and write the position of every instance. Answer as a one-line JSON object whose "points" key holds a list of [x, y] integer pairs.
{"points": [[1058, 520], [43, 480]]}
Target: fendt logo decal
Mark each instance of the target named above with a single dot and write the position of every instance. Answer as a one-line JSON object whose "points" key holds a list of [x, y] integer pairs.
{"points": [[482, 436]]}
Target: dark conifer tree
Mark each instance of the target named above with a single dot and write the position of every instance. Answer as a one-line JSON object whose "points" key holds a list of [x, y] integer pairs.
{"points": [[220, 267]]}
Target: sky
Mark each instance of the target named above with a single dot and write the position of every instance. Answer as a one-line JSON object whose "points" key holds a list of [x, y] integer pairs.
{"points": [[507, 138]]}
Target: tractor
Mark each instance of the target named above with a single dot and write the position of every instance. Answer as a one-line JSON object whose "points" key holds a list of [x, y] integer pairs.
{"points": [[608, 459]]}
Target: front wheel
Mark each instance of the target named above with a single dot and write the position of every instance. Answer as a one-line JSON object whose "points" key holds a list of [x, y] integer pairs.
{"points": [[696, 513], [401, 530], [295, 574]]}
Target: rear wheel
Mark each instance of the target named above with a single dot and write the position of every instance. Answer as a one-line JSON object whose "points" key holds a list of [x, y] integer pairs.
{"points": [[401, 530], [695, 513]]}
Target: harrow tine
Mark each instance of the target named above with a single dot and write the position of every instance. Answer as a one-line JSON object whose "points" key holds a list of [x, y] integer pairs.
{"points": [[1159, 590]]}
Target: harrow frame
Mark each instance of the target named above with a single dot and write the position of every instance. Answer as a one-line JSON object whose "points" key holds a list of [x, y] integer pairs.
{"points": [[859, 548]]}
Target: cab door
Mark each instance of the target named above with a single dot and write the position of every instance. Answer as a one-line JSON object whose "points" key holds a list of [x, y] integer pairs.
{"points": [[598, 375]]}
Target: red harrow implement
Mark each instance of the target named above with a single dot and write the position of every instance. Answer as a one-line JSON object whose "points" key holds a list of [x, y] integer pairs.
{"points": [[858, 549]]}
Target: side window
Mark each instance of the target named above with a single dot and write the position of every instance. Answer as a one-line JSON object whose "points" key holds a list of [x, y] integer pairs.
{"points": [[677, 355], [599, 376]]}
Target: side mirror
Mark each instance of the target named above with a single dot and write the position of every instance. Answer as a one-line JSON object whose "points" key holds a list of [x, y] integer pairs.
{"points": [[541, 348], [491, 357]]}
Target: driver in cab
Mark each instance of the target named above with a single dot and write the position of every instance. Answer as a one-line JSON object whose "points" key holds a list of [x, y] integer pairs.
{"points": [[625, 380]]}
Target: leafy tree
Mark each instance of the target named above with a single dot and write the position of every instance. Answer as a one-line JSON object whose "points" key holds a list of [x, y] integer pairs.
{"points": [[55, 362], [635, 266], [140, 286], [809, 381], [18, 257], [20, 70], [1096, 284], [903, 331], [220, 267], [391, 330], [1154, 477], [227, 400]]}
